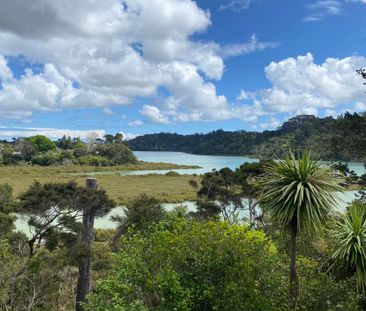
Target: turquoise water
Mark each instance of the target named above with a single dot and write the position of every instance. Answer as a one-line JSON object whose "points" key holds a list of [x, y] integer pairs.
{"points": [[208, 162], [205, 162]]}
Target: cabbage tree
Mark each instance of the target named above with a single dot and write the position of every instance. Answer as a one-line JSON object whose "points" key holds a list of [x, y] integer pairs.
{"points": [[350, 240], [297, 194]]}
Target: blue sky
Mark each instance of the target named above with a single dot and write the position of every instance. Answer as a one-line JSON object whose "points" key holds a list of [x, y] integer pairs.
{"points": [[138, 66]]}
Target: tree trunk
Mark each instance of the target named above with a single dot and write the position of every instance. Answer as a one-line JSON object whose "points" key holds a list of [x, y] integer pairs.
{"points": [[294, 280], [87, 239]]}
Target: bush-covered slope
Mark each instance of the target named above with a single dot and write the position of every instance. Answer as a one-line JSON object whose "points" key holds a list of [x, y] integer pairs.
{"points": [[343, 138]]}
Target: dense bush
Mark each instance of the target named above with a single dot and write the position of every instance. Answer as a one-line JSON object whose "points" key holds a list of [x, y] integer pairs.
{"points": [[118, 153], [321, 291], [47, 158], [42, 143], [94, 160], [7, 155], [183, 265], [39, 150], [166, 260]]}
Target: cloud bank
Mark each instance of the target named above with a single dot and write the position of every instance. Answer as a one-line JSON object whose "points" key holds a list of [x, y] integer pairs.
{"points": [[107, 53]]}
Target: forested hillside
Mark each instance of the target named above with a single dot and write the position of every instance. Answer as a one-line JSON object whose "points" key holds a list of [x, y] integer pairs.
{"points": [[343, 138]]}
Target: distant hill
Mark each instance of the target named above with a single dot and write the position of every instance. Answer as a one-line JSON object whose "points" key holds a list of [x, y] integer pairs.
{"points": [[343, 138]]}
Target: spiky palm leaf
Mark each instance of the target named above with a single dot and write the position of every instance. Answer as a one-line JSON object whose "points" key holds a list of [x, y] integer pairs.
{"points": [[350, 237], [298, 191], [297, 194]]}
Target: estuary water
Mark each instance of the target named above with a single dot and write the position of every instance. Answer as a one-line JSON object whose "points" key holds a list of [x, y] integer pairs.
{"points": [[209, 162], [206, 163]]}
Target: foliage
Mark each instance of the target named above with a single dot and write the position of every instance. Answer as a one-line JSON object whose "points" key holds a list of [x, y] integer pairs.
{"points": [[298, 192], [343, 138], [341, 167], [93, 160], [117, 153], [363, 180], [42, 143], [139, 215], [230, 194], [7, 155], [46, 159], [297, 195], [142, 212], [219, 195], [80, 149], [6, 208], [40, 283], [54, 208], [321, 291], [65, 143], [39, 150], [26, 149], [349, 233], [183, 265]]}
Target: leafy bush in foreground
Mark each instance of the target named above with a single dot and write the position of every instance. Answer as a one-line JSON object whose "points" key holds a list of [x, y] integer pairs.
{"points": [[185, 265]]}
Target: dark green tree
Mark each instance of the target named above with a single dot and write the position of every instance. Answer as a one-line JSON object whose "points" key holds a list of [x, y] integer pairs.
{"points": [[108, 138], [140, 215], [65, 143], [118, 138], [248, 176], [7, 218], [219, 195], [54, 210]]}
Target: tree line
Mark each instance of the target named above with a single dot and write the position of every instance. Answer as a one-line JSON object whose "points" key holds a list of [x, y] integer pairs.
{"points": [[342, 138], [263, 237], [40, 150]]}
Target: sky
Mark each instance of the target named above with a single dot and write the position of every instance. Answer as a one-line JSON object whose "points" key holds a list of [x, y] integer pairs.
{"points": [[91, 67]]}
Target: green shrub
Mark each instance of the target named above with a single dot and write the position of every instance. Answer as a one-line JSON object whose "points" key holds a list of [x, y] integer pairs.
{"points": [[80, 149], [93, 160], [117, 153], [183, 265], [42, 143], [8, 156], [321, 291], [46, 159]]}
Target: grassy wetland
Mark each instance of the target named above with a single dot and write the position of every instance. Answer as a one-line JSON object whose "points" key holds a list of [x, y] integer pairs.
{"points": [[167, 188]]}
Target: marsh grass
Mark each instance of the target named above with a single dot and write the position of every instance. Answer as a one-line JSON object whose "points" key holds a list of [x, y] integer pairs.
{"points": [[121, 188]]}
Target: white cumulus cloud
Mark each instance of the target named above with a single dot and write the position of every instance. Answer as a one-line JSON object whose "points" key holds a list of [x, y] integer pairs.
{"points": [[106, 53], [299, 85], [153, 114]]}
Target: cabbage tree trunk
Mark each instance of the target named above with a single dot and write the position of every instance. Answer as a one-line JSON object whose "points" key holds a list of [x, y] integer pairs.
{"points": [[294, 279]]}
